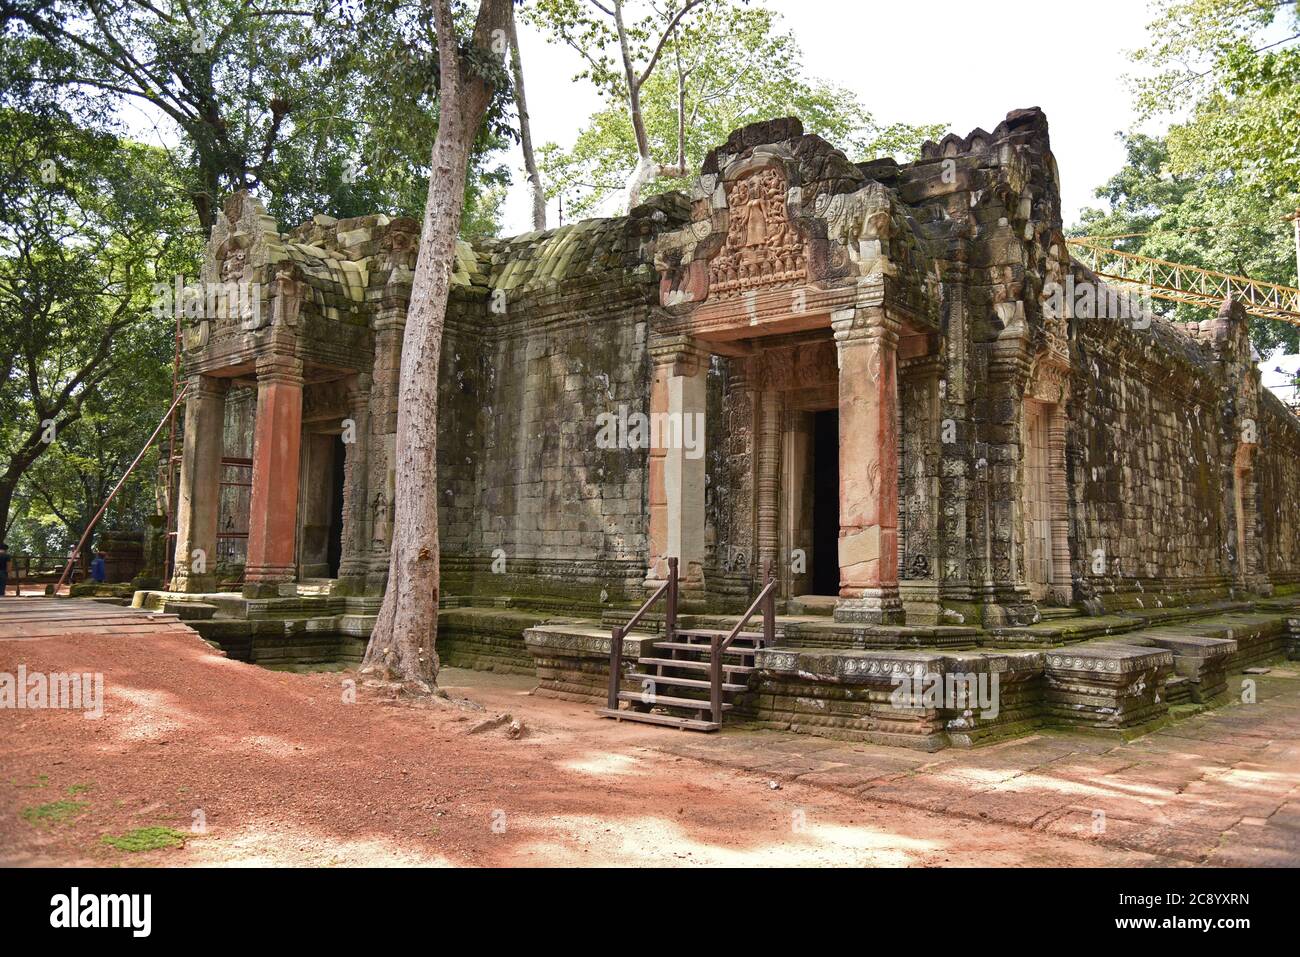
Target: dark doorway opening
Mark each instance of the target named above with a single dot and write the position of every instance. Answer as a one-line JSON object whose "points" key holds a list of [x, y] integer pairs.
{"points": [[334, 545], [826, 503]]}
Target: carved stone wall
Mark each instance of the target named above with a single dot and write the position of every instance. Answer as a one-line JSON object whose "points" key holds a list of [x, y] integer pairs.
{"points": [[1179, 478]]}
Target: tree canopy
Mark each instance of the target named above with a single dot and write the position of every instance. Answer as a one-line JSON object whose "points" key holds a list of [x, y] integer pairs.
{"points": [[87, 231], [725, 65], [318, 106], [1215, 191]]}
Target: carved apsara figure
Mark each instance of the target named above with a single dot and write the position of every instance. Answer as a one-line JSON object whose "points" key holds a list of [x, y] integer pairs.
{"points": [[762, 246]]}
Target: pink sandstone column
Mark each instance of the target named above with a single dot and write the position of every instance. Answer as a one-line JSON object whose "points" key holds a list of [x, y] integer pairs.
{"points": [[868, 424], [273, 504], [676, 474]]}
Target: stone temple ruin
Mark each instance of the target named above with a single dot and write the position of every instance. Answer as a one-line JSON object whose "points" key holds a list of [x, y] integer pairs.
{"points": [[947, 473]]}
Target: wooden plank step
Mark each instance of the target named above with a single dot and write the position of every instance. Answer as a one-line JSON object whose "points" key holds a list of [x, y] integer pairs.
{"points": [[688, 682], [694, 665], [710, 632], [685, 646], [87, 617], [649, 717], [87, 628], [666, 701]]}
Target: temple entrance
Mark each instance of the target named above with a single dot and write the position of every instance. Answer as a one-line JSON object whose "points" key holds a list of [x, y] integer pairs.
{"points": [[320, 506], [826, 502], [334, 550]]}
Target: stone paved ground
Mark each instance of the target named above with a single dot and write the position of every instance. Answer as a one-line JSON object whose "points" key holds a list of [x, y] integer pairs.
{"points": [[1219, 788]]}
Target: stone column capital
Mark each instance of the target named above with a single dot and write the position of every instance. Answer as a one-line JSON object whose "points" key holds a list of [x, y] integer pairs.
{"points": [[922, 367], [358, 391], [206, 386], [1049, 380], [857, 326], [683, 354], [280, 368]]}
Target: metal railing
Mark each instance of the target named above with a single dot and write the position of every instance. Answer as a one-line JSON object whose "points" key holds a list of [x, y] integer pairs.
{"points": [[1191, 285]]}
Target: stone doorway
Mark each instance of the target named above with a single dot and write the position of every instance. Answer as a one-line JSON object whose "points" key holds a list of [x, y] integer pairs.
{"points": [[826, 503], [320, 506]]}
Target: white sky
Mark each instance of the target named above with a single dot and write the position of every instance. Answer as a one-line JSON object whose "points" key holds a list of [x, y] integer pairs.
{"points": [[945, 61]]}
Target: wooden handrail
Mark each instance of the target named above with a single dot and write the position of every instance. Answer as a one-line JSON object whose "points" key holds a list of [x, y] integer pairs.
{"points": [[616, 635], [766, 598]]}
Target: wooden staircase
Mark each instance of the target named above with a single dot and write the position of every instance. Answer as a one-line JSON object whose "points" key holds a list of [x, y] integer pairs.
{"points": [[692, 675]]}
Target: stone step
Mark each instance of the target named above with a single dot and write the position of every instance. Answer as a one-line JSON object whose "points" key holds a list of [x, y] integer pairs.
{"points": [[1056, 614], [819, 605], [190, 610]]}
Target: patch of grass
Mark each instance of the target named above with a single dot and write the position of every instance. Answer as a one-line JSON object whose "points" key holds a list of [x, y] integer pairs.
{"points": [[146, 839], [56, 812], [76, 789]]}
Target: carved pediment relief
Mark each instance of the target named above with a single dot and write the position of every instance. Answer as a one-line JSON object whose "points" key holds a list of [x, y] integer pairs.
{"points": [[762, 247], [1050, 379]]}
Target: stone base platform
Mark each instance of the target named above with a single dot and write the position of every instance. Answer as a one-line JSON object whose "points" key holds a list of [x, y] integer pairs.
{"points": [[919, 686], [316, 628], [1119, 682]]}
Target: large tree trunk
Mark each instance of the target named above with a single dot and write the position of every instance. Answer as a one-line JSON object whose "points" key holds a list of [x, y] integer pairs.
{"points": [[401, 646], [526, 131], [6, 502]]}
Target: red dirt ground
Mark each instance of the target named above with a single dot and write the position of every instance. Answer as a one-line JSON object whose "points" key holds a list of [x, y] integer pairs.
{"points": [[285, 772]]}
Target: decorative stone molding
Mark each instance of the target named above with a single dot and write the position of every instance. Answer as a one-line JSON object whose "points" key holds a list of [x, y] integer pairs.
{"points": [[678, 355], [280, 368]]}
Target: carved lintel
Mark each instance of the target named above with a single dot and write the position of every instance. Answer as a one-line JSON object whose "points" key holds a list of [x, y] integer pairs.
{"points": [[1049, 380]]}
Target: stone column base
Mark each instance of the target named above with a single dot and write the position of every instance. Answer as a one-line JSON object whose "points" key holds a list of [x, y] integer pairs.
{"points": [[872, 609], [269, 581], [690, 577], [193, 584], [921, 602]]}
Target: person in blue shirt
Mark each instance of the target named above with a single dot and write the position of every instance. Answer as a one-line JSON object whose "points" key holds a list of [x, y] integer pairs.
{"points": [[98, 570], [4, 568]]}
